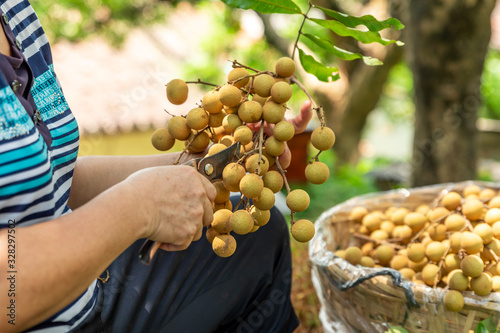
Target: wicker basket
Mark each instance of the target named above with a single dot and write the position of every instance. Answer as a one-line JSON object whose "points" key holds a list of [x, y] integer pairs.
{"points": [[359, 299]]}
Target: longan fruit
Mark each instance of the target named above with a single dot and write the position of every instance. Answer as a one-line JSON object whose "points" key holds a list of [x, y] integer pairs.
{"points": [[451, 200], [398, 262], [471, 189], [451, 262], [471, 243], [177, 91], [423, 208], [197, 142], [261, 100], [416, 252], [273, 112], [250, 112], [241, 222], [430, 274], [221, 221], [379, 235], [224, 245], [229, 95], [384, 254], [496, 229], [211, 102], [297, 200], [371, 221], [243, 134], [455, 242], [197, 119], [210, 234], [284, 131], [302, 230], [487, 194], [227, 140], [437, 232], [492, 246], [317, 172], [222, 194], [496, 283], [162, 140], [454, 222], [494, 202], [216, 148], [492, 215], [353, 255], [265, 200], [251, 185], [457, 280], [274, 147], [216, 119], [416, 221], [285, 67], [472, 209], [485, 231], [260, 217], [387, 226], [237, 77], [225, 205], [323, 138], [453, 300], [273, 180], [404, 232], [399, 214], [437, 214], [357, 213], [253, 161], [178, 128], [367, 261], [281, 92], [231, 122], [340, 253], [407, 273], [481, 285], [232, 175], [435, 251], [418, 266], [472, 265], [262, 84]]}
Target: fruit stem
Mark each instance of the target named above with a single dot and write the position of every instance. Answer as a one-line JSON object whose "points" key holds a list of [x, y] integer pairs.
{"points": [[295, 46], [202, 82], [304, 89], [261, 140], [440, 265], [385, 242]]}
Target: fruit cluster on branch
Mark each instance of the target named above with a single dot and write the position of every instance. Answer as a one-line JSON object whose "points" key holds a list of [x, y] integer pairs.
{"points": [[250, 109]]}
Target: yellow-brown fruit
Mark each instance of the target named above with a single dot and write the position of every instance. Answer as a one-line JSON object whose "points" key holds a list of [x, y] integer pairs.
{"points": [[241, 222], [216, 119], [262, 84], [398, 262], [273, 180], [404, 232], [367, 261], [431, 274], [496, 283], [437, 232], [229, 95], [471, 189], [216, 133], [274, 147], [384, 254], [225, 205], [298, 200], [493, 247], [492, 215], [210, 234], [451, 262], [455, 242], [357, 213], [471, 242], [254, 161], [284, 131], [398, 215], [231, 122], [416, 221], [371, 221], [243, 135], [197, 119], [221, 221], [451, 200], [454, 222], [323, 138], [485, 231], [273, 112], [472, 265], [353, 255], [216, 148], [367, 248], [317, 172], [303, 230], [261, 217], [250, 112], [418, 266], [416, 252], [437, 214], [423, 208], [197, 142], [457, 280], [281, 92], [265, 200], [435, 251], [486, 194], [261, 100], [379, 235], [285, 67], [231, 176], [222, 194], [340, 253], [227, 140], [453, 300], [237, 77], [177, 128], [496, 229], [177, 91], [387, 226], [481, 285], [494, 202], [224, 245], [211, 102], [162, 140], [472, 209], [251, 185]]}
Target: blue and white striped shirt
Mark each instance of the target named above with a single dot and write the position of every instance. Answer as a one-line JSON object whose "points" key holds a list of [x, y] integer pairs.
{"points": [[35, 179]]}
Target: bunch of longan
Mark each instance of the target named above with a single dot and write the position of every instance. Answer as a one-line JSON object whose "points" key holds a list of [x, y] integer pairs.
{"points": [[454, 244], [248, 97]]}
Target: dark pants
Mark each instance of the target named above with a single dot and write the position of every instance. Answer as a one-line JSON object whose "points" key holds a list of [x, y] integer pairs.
{"points": [[194, 290]]}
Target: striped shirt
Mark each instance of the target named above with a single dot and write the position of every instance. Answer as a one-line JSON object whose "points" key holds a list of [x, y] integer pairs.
{"points": [[35, 179]]}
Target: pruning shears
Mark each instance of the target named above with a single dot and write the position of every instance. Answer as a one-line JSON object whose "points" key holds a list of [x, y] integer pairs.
{"points": [[210, 167]]}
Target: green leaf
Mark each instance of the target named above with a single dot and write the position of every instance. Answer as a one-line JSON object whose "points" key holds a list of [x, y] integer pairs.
{"points": [[266, 6], [365, 37], [486, 326], [322, 72], [341, 53], [396, 329], [368, 20]]}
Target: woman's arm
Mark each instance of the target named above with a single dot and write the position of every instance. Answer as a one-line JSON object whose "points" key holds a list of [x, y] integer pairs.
{"points": [[57, 260]]}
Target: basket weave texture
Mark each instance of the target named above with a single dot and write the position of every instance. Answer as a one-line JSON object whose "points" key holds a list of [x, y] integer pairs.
{"points": [[359, 299]]}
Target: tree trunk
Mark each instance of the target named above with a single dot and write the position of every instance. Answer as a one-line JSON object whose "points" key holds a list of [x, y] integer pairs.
{"points": [[447, 44]]}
